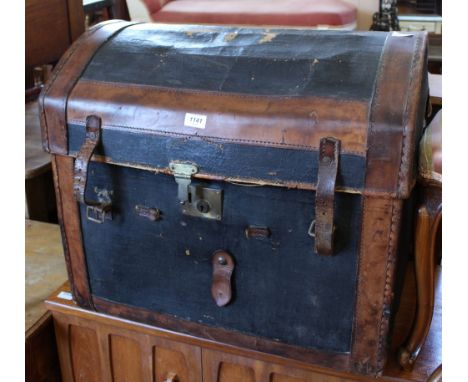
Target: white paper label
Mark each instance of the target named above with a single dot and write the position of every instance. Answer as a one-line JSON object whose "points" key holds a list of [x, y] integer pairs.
{"points": [[195, 120], [65, 296]]}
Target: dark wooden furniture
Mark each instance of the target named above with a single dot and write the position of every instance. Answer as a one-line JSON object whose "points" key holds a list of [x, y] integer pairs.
{"points": [[45, 271], [101, 10], [101, 348], [428, 226], [41, 358], [51, 27], [40, 200]]}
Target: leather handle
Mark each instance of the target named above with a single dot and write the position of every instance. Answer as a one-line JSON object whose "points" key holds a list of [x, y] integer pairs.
{"points": [[329, 153], [96, 210], [223, 266]]}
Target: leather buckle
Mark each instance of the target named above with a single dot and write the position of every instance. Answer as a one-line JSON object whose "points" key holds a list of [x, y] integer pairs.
{"points": [[97, 214]]}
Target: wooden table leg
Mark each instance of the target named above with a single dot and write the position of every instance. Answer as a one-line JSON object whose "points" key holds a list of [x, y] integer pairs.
{"points": [[428, 220], [436, 376]]}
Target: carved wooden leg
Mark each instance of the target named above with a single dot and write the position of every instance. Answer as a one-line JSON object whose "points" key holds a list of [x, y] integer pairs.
{"points": [[429, 215], [436, 376]]}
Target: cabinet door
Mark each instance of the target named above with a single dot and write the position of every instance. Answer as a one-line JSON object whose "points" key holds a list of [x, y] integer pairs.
{"points": [[91, 351], [224, 367]]}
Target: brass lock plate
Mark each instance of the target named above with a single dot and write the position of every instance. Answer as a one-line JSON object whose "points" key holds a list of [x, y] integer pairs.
{"points": [[203, 202]]}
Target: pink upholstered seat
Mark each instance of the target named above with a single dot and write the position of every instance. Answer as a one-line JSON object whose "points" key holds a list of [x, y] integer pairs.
{"points": [[303, 13]]}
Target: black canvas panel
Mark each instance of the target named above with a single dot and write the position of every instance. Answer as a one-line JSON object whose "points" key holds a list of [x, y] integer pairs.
{"points": [[282, 289], [224, 159], [276, 62]]}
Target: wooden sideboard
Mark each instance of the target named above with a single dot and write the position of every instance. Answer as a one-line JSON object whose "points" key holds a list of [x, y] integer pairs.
{"points": [[95, 347]]}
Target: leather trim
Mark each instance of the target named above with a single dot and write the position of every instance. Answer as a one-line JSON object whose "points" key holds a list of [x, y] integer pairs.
{"points": [[53, 99], [214, 335], [379, 242], [393, 116], [288, 122], [69, 216]]}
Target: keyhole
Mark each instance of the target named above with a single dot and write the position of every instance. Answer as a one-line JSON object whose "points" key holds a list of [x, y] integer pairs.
{"points": [[203, 206]]}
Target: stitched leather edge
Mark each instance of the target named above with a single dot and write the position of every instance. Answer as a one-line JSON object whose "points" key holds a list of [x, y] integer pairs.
{"points": [[214, 139]]}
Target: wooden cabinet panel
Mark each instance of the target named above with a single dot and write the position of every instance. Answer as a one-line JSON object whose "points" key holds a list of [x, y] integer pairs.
{"points": [[47, 31], [121, 350], [180, 363], [225, 367], [284, 378], [83, 347], [51, 27], [95, 352], [125, 355], [232, 372]]}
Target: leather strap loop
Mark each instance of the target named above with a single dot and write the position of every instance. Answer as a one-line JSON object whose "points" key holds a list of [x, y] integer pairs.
{"points": [[329, 153], [80, 173]]}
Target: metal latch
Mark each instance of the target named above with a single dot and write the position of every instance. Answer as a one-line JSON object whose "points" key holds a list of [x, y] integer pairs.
{"points": [[183, 176], [196, 200]]}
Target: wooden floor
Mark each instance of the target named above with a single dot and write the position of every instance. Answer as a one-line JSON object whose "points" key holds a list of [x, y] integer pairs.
{"points": [[45, 267]]}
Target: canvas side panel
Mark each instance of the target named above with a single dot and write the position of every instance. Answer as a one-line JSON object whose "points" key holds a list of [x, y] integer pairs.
{"points": [[282, 290]]}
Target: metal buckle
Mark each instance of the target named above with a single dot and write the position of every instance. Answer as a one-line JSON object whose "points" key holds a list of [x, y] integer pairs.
{"points": [[97, 214], [183, 176], [311, 230]]}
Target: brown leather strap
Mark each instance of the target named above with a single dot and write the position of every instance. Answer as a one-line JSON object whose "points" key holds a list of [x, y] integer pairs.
{"points": [[329, 152], [253, 232], [223, 266], [80, 173]]}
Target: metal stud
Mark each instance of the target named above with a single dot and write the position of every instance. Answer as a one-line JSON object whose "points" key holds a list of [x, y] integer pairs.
{"points": [[222, 260]]}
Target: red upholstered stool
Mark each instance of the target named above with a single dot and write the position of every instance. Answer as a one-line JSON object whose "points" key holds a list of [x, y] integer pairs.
{"points": [[320, 14]]}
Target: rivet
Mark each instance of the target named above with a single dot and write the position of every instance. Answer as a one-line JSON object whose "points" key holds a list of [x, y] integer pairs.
{"points": [[222, 260]]}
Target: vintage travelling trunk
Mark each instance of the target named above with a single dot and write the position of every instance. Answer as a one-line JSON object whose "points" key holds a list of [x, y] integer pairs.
{"points": [[246, 186]]}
